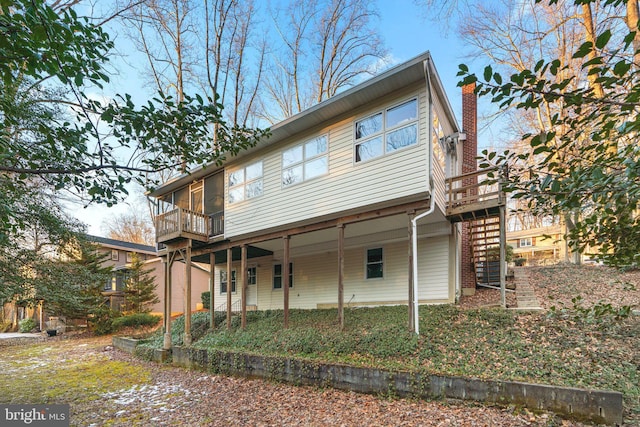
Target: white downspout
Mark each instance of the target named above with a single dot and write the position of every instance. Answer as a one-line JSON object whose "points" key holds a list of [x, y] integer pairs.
{"points": [[414, 221]]}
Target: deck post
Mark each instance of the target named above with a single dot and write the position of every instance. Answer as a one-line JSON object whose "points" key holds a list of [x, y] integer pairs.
{"points": [[229, 276], [212, 274], [167, 301], [341, 275], [187, 296], [285, 280], [503, 256], [244, 275]]}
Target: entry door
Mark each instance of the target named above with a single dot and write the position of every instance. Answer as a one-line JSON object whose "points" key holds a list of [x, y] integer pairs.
{"points": [[252, 286]]}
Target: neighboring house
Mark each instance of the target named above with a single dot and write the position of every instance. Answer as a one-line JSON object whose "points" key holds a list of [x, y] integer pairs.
{"points": [[346, 203], [540, 245], [118, 255], [199, 280]]}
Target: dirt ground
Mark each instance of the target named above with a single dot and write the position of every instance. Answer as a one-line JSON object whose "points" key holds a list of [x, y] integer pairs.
{"points": [[106, 387]]}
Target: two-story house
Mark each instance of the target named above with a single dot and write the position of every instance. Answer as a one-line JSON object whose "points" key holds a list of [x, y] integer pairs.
{"points": [[356, 201], [118, 255]]}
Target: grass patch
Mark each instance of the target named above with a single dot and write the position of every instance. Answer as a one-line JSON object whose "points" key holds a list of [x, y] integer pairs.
{"points": [[41, 374]]}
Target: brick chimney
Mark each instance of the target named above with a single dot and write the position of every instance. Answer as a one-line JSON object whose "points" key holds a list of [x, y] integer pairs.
{"points": [[470, 127], [469, 164]]}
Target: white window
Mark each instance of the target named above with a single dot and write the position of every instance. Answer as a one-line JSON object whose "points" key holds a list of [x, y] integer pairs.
{"points": [[245, 183], [223, 281], [129, 257], [115, 255], [525, 243], [374, 264], [305, 161], [277, 276], [252, 276], [388, 131]]}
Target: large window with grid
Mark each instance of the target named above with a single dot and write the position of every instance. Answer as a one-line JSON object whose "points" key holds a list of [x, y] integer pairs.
{"points": [[305, 161], [245, 183], [386, 131]]}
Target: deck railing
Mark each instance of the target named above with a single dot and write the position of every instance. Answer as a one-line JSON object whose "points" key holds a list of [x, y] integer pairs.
{"points": [[179, 221], [475, 187]]}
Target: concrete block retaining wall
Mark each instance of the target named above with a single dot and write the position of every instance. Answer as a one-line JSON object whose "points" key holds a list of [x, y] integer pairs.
{"points": [[587, 405]]}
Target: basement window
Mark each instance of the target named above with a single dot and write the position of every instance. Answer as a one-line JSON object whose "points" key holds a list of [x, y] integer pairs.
{"points": [[374, 264], [277, 276], [223, 281]]}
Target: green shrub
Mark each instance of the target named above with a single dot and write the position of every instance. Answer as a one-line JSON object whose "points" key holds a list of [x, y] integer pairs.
{"points": [[102, 320], [206, 300], [27, 325], [135, 320], [519, 262]]}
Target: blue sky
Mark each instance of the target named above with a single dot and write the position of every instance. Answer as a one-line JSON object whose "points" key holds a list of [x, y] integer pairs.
{"points": [[406, 32]]}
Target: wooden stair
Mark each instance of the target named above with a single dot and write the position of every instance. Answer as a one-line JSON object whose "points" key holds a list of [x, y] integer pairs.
{"points": [[485, 250]]}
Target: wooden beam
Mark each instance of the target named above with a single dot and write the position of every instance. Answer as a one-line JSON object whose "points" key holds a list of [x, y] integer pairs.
{"points": [[229, 268], [245, 287], [341, 275], [212, 299], [285, 280], [187, 296]]}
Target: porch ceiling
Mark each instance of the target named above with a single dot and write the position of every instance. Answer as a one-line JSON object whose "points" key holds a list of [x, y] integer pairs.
{"points": [[221, 256], [375, 229]]}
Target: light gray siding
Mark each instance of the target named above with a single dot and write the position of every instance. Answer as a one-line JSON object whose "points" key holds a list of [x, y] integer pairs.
{"points": [[347, 186], [316, 277]]}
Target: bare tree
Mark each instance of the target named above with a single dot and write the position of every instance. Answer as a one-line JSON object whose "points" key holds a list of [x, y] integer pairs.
{"points": [[131, 226], [327, 45], [234, 56]]}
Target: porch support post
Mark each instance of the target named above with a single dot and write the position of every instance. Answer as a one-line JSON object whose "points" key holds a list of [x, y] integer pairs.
{"points": [[212, 307], [244, 275], [341, 275], [187, 296], [411, 296], [229, 267], [503, 256], [167, 301], [285, 280]]}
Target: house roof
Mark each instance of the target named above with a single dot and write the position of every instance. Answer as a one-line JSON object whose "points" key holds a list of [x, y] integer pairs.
{"points": [[126, 246], [368, 91]]}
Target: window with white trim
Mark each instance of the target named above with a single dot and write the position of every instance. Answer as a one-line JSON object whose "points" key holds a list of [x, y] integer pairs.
{"points": [[252, 276], [277, 276], [526, 242], [223, 281], [374, 263], [305, 161], [245, 183], [386, 131]]}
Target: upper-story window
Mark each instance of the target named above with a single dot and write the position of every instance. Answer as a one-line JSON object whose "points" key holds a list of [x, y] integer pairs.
{"points": [[305, 161], [387, 131], [526, 242], [245, 183]]}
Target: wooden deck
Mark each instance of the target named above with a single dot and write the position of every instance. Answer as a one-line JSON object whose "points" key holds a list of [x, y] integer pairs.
{"points": [[185, 224], [475, 195]]}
